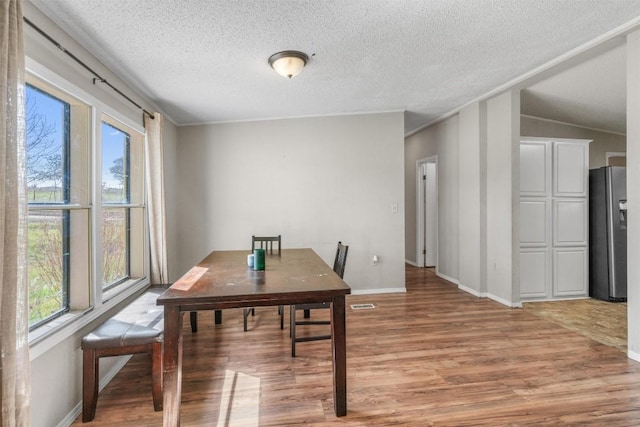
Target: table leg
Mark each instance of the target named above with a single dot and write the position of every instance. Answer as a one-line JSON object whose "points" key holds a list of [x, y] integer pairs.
{"points": [[339, 347], [172, 360]]}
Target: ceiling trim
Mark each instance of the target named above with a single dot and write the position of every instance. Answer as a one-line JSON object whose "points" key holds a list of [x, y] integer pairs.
{"points": [[559, 122], [311, 116]]}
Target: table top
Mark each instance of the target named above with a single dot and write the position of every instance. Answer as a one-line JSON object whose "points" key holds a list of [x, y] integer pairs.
{"points": [[223, 279]]}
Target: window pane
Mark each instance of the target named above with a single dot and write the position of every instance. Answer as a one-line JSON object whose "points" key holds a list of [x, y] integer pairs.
{"points": [[115, 165], [115, 239], [47, 271], [47, 139]]}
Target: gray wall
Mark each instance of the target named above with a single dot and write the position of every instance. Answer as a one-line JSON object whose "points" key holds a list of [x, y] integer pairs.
{"points": [[56, 364], [633, 193], [472, 212], [172, 210], [503, 196], [440, 139], [477, 199], [315, 181], [602, 141]]}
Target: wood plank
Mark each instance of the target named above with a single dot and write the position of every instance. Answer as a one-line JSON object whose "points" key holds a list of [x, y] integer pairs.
{"points": [[432, 356]]}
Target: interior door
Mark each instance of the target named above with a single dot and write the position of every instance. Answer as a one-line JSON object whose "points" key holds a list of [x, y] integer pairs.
{"points": [[431, 215]]}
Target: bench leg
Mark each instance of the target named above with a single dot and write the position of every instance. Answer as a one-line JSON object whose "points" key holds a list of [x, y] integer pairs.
{"points": [[90, 369], [156, 376]]}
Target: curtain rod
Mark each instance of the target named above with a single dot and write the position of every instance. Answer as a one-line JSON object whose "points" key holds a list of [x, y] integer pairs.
{"points": [[97, 77]]}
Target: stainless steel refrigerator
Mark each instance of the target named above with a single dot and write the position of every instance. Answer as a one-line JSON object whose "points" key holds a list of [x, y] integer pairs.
{"points": [[608, 233]]}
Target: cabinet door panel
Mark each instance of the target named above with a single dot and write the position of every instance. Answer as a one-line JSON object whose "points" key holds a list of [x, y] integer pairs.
{"points": [[535, 168], [570, 272], [534, 220], [535, 273], [570, 164], [570, 222]]}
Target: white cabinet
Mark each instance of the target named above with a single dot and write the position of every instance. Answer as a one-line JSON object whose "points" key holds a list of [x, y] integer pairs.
{"points": [[535, 273], [535, 168], [570, 169], [554, 218], [534, 222], [570, 272]]}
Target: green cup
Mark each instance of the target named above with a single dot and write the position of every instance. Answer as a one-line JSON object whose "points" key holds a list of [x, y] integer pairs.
{"points": [[258, 259]]}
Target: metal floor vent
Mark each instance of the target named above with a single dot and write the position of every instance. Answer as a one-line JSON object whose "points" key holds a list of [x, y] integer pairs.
{"points": [[362, 306]]}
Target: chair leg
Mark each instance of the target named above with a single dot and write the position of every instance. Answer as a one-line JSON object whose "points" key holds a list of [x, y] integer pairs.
{"points": [[292, 331], [156, 376], [193, 317], [218, 317], [90, 369], [245, 314], [281, 312]]}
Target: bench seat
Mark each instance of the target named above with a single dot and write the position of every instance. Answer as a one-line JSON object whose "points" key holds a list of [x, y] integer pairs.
{"points": [[137, 328]]}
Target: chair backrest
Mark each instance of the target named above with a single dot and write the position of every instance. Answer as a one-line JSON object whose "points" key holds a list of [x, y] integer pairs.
{"points": [[341, 259], [266, 243]]}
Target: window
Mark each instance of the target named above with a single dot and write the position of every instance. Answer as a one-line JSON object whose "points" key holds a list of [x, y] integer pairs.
{"points": [[57, 155], [122, 203], [86, 226]]}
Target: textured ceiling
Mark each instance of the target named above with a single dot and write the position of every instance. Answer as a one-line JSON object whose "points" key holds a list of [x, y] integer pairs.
{"points": [[204, 61], [592, 93]]}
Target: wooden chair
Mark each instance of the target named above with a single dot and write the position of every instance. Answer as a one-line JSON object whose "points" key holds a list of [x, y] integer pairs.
{"points": [[338, 268], [266, 243]]}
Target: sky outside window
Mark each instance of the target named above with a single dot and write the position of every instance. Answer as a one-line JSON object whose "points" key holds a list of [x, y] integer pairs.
{"points": [[46, 116], [115, 147]]}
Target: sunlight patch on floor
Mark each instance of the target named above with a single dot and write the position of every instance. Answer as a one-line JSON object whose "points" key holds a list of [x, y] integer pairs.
{"points": [[240, 401]]}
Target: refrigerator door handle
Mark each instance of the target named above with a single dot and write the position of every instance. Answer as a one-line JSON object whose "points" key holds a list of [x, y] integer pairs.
{"points": [[622, 206]]}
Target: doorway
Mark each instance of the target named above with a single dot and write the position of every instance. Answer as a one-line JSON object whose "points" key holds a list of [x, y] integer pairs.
{"points": [[427, 215]]}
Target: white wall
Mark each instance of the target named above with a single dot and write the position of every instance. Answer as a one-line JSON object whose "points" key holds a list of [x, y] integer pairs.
{"points": [[315, 181], [440, 139], [472, 158], [633, 195], [602, 141], [503, 134]]}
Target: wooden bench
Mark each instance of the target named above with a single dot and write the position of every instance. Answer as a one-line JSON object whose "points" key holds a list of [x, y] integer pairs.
{"points": [[138, 328]]}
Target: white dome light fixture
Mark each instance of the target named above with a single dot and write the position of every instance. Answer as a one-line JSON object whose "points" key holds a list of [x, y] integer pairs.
{"points": [[288, 63]]}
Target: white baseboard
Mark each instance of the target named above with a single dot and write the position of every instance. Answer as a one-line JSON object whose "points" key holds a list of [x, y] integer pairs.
{"points": [[71, 416], [447, 278], [472, 291], [378, 291], [77, 410], [633, 355], [504, 301], [415, 264], [552, 299]]}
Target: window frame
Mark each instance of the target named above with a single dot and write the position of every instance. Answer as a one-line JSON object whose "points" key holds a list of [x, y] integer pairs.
{"points": [[61, 206], [48, 335]]}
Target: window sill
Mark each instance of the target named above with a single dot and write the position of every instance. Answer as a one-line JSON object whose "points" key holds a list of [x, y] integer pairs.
{"points": [[51, 334]]}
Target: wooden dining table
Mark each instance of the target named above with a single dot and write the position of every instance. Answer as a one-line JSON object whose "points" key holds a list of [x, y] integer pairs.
{"points": [[223, 280]]}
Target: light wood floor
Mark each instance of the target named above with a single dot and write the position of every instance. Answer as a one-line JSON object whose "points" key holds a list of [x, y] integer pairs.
{"points": [[603, 321], [435, 356]]}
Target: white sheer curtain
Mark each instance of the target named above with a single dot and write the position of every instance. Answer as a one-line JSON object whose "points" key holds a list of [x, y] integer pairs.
{"points": [[14, 335], [155, 198]]}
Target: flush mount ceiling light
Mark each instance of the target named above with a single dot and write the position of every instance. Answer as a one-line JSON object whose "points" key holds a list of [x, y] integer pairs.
{"points": [[288, 63]]}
